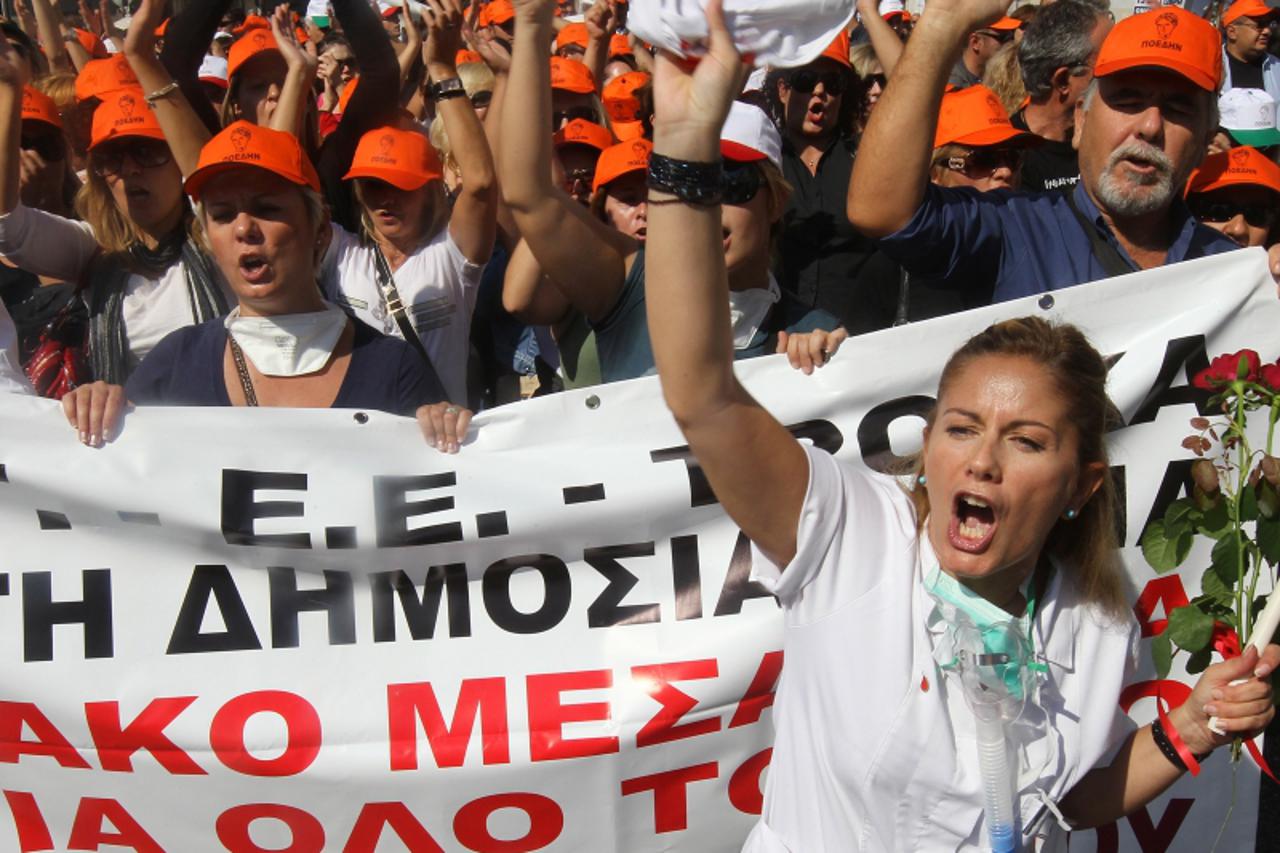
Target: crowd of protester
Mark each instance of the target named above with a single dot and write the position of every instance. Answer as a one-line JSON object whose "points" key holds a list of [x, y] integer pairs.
{"points": [[511, 262]]}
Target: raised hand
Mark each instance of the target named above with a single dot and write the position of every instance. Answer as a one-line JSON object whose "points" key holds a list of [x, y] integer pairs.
{"points": [[698, 96], [444, 35], [602, 19], [13, 68], [493, 50], [141, 38], [92, 18], [295, 55]]}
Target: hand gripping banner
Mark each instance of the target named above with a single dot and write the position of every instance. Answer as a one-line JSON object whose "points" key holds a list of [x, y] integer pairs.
{"points": [[306, 630]]}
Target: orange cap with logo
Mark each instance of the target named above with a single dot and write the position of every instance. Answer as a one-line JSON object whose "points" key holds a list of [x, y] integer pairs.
{"points": [[252, 43], [1171, 38], [402, 158], [496, 12], [91, 44], [620, 45], [570, 75], [243, 145], [37, 106], [838, 50], [572, 33], [1247, 9], [1240, 167], [619, 95], [123, 113], [974, 116], [622, 159], [100, 76], [583, 132]]}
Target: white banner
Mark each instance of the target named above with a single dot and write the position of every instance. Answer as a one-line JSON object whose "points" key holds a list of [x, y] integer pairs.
{"points": [[305, 630]]}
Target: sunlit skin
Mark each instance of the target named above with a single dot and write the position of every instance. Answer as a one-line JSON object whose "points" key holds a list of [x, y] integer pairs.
{"points": [[616, 68], [1247, 38], [399, 216], [263, 241], [626, 204], [261, 80], [746, 234], [1001, 436], [1237, 227], [150, 198]]}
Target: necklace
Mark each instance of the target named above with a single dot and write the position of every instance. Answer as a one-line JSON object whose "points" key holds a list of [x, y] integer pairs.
{"points": [[242, 369]]}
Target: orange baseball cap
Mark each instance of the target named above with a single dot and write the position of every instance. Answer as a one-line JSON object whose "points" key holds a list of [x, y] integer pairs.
{"points": [[582, 132], [628, 130], [622, 159], [100, 76], [838, 50], [1006, 23], [243, 145], [1240, 167], [620, 45], [345, 97], [252, 43], [123, 113], [37, 106], [252, 22], [974, 116], [619, 95], [91, 44], [1247, 9], [570, 75], [464, 56], [1171, 38], [572, 33], [496, 12], [402, 158]]}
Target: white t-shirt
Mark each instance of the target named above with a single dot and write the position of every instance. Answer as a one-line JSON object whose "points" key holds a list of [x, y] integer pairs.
{"points": [[50, 245], [875, 748], [437, 285]]}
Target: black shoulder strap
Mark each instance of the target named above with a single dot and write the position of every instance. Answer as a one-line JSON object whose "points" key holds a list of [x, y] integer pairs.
{"points": [[1105, 253], [392, 297]]}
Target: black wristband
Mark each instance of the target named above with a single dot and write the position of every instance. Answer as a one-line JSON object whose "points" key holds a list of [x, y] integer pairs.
{"points": [[687, 180], [1166, 747], [444, 89]]}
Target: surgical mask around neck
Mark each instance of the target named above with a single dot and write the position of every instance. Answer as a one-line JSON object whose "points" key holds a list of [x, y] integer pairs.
{"points": [[748, 310], [288, 344]]}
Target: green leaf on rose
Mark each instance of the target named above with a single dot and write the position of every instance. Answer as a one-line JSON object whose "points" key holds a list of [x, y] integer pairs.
{"points": [[1180, 514], [1215, 521], [1268, 538], [1213, 587], [1268, 500], [1224, 558], [1198, 662], [1165, 553], [1190, 628], [1248, 505], [1162, 654]]}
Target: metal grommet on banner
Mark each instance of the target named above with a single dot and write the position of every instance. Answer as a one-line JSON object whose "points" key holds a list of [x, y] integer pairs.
{"points": [[361, 417], [593, 402], [1046, 301]]}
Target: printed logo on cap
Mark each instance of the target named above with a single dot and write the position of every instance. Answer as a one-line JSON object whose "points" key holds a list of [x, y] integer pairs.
{"points": [[126, 104], [259, 39], [1239, 157], [240, 139], [386, 143], [640, 150], [1166, 23]]}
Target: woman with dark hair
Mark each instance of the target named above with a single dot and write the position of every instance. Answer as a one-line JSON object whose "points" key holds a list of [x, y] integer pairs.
{"points": [[983, 606]]}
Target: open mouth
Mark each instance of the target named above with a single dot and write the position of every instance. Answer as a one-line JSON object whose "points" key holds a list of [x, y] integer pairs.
{"points": [[973, 523], [254, 269]]}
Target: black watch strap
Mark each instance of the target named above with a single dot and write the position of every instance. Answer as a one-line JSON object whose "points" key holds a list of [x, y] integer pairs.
{"points": [[444, 89]]}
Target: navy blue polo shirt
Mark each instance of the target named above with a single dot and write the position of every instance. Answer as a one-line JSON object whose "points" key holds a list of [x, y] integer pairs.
{"points": [[1026, 243]]}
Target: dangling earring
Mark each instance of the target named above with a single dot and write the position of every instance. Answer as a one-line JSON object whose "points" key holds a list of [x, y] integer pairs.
{"points": [[921, 480], [1070, 514]]}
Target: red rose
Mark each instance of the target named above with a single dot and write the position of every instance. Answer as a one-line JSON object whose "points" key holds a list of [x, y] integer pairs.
{"points": [[1225, 369], [1270, 376]]}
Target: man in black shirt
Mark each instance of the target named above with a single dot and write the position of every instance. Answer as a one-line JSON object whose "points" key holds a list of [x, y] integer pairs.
{"points": [[1056, 54], [1246, 33]]}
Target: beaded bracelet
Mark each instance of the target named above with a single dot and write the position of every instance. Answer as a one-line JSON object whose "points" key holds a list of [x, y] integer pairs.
{"points": [[687, 180]]}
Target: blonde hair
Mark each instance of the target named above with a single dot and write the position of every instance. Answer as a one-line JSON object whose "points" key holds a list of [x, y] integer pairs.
{"points": [[437, 201], [1087, 546], [60, 86], [476, 77], [114, 231], [1003, 75], [864, 61]]}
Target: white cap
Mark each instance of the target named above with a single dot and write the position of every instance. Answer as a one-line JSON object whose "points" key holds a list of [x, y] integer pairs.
{"points": [[780, 33], [1249, 115], [891, 7], [755, 80], [213, 70], [749, 135]]}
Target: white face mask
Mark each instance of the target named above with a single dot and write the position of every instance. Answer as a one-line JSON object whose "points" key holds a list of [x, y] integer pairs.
{"points": [[747, 310], [288, 344]]}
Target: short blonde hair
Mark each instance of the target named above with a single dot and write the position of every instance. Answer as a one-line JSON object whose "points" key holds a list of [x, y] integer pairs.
{"points": [[1003, 76]]}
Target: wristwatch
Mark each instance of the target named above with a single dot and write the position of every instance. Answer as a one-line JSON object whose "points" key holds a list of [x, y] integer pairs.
{"points": [[444, 89]]}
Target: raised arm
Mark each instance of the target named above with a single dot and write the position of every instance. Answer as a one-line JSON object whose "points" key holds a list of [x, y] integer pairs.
{"points": [[498, 58], [13, 76], [581, 253], [55, 49], [882, 201], [884, 41], [527, 293], [601, 20], [757, 470], [183, 129], [295, 96], [187, 35], [475, 211]]}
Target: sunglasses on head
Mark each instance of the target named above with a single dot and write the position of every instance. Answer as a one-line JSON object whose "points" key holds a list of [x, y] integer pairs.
{"points": [[984, 161], [48, 146], [108, 160], [1257, 215], [741, 182], [806, 80], [559, 118]]}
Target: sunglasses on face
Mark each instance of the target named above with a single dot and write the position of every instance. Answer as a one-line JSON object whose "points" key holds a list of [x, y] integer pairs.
{"points": [[984, 161], [1257, 215], [559, 118], [806, 80], [481, 99], [1002, 37], [108, 160], [49, 147], [877, 80], [741, 182]]}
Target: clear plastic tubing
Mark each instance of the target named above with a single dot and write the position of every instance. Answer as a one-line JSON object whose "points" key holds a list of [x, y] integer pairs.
{"points": [[997, 783]]}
